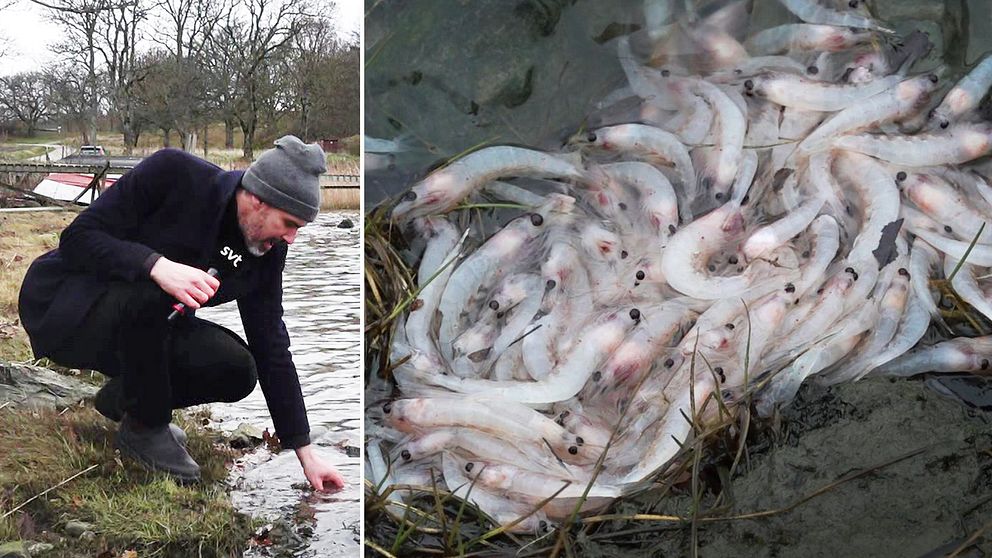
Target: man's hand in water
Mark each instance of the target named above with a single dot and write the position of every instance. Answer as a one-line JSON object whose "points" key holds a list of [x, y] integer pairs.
{"points": [[322, 476]]}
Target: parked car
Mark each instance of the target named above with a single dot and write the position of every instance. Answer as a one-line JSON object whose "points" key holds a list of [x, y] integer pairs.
{"points": [[92, 150]]}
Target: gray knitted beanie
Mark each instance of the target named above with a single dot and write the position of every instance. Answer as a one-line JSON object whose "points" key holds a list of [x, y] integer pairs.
{"points": [[288, 177]]}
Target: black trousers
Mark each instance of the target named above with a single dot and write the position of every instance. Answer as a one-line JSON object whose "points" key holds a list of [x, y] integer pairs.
{"points": [[163, 366]]}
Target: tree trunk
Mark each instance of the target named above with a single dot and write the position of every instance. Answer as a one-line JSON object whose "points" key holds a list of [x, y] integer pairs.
{"points": [[166, 138], [205, 140], [127, 127], [93, 105], [248, 132], [228, 133], [249, 124]]}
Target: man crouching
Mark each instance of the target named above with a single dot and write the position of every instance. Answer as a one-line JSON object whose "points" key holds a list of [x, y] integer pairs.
{"points": [[119, 293]]}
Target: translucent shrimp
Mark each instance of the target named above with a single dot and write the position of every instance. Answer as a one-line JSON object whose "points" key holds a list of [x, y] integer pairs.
{"points": [[880, 204], [658, 201], [804, 325], [945, 204], [958, 144], [504, 511], [485, 446], [473, 346], [964, 96], [791, 37], [915, 322], [826, 235], [685, 259], [783, 387], [533, 488], [442, 248], [802, 93], [771, 236], [596, 342], [962, 354], [490, 262], [521, 315], [506, 419], [966, 286], [647, 143], [632, 358], [730, 126], [902, 101], [673, 429], [443, 189], [812, 11], [980, 254], [891, 306]]}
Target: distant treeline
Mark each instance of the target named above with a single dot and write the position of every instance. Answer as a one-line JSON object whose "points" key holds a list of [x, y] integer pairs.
{"points": [[173, 67]]}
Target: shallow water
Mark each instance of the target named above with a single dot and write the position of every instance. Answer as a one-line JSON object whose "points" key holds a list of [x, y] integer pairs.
{"points": [[322, 304]]}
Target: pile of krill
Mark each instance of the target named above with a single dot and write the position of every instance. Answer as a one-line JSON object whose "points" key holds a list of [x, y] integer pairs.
{"points": [[761, 220]]}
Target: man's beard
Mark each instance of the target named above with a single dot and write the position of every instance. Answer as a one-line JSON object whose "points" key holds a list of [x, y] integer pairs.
{"points": [[255, 247]]}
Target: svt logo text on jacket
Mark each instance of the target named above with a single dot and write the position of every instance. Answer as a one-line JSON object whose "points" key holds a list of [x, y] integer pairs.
{"points": [[230, 255]]}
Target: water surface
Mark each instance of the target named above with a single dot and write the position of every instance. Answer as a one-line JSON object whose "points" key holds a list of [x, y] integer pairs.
{"points": [[321, 299]]}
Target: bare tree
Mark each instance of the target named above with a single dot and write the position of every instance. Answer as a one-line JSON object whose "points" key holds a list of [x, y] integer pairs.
{"points": [[27, 97], [252, 42], [185, 26], [300, 75], [68, 84], [117, 43], [80, 20], [337, 104], [183, 31]]}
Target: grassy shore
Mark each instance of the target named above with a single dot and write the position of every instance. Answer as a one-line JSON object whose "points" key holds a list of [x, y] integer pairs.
{"points": [[126, 508], [23, 237]]}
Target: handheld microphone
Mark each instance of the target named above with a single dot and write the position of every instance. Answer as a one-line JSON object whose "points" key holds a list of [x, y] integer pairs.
{"points": [[179, 309]]}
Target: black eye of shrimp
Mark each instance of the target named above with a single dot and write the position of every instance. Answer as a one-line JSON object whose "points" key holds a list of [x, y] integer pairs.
{"points": [[536, 220], [410, 196]]}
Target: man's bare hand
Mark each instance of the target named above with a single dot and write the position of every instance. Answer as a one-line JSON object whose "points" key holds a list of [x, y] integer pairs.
{"points": [[188, 285], [321, 475]]}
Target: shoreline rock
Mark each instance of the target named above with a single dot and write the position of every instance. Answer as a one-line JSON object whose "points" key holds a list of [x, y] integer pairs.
{"points": [[23, 385]]}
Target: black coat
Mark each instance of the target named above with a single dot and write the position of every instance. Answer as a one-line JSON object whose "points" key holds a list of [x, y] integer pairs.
{"points": [[171, 204]]}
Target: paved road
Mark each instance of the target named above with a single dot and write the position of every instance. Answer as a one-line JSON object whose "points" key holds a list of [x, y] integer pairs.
{"points": [[55, 152]]}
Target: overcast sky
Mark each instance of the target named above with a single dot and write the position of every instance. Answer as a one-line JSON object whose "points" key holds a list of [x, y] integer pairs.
{"points": [[28, 33]]}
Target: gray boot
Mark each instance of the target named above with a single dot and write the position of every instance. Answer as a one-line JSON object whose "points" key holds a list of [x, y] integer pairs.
{"points": [[157, 449], [109, 402]]}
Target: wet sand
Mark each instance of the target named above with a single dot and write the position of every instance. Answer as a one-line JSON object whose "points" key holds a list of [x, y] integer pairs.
{"points": [[924, 505]]}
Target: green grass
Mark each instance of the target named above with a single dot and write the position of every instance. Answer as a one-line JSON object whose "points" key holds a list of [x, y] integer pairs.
{"points": [[20, 152], [129, 508]]}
